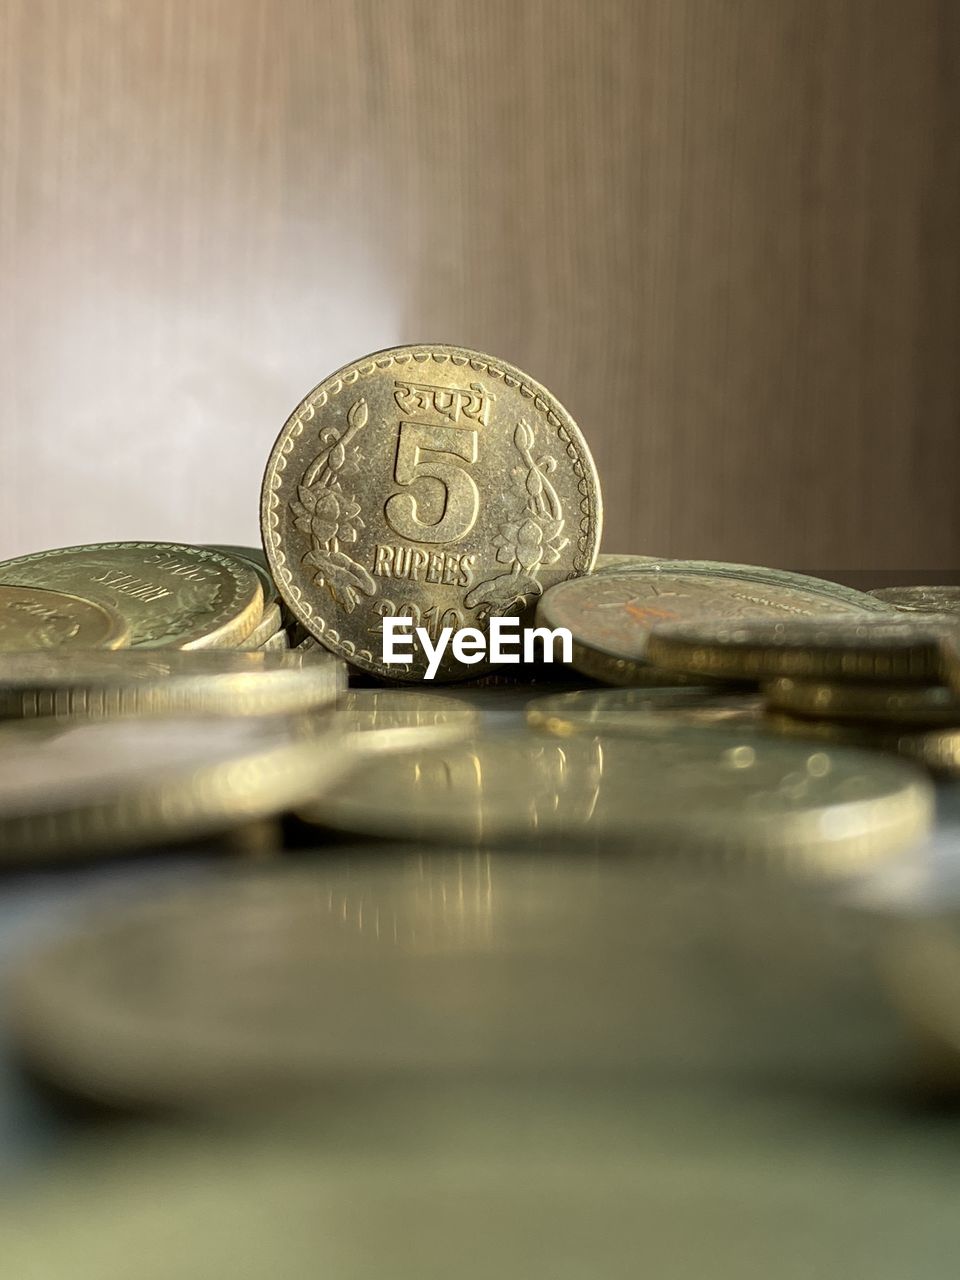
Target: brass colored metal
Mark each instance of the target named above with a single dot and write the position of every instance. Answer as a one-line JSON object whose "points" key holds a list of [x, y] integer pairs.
{"points": [[255, 557], [430, 482], [742, 796], [936, 749], [398, 719], [172, 596], [268, 626], [938, 600], [611, 615], [35, 618], [279, 641], [606, 562], [640, 711], [834, 648], [887, 704], [79, 788], [135, 683]]}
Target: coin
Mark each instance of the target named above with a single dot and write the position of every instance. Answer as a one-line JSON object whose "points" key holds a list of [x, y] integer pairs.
{"points": [[611, 615], [33, 618], [433, 483], [137, 683], [718, 793], [257, 988], [935, 749], [921, 967], [390, 719], [632, 711], [950, 661], [85, 788], [268, 626], [278, 641], [607, 561], [838, 648], [942, 600], [904, 704], [172, 596], [252, 556]]}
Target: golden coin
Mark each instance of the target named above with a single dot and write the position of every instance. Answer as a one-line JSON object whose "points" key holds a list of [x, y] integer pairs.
{"points": [[278, 641], [265, 986], [83, 788], [611, 615], [268, 626], [904, 704], [606, 561], [935, 749], [839, 648], [135, 683], [388, 719], [743, 796], [252, 556], [942, 600], [33, 618], [632, 711], [172, 596], [433, 483]]}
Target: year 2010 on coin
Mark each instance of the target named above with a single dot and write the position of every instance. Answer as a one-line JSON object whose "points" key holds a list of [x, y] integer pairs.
{"points": [[434, 483]]}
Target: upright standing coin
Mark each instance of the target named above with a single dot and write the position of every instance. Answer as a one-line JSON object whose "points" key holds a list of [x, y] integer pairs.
{"points": [[134, 683], [430, 482], [172, 596], [921, 599], [33, 618], [611, 615]]}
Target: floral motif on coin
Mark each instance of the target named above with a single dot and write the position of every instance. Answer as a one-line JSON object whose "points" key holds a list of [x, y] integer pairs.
{"points": [[330, 516]]}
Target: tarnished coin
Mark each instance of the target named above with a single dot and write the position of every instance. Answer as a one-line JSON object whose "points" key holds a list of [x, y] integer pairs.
{"points": [[433, 483], [633, 711], [268, 626], [85, 788], [903, 704], [833, 648], [611, 615], [368, 972], [34, 618], [172, 596], [936, 749], [942, 600], [746, 797], [135, 683]]}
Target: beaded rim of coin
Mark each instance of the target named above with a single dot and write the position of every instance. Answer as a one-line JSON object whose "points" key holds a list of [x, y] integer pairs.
{"points": [[255, 557], [232, 614], [911, 705], [215, 775], [30, 616], [132, 682], [520, 543], [502, 789], [887, 649], [610, 637], [639, 711]]}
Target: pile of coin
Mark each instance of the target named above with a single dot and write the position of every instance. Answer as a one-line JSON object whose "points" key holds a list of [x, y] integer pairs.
{"points": [[153, 693]]}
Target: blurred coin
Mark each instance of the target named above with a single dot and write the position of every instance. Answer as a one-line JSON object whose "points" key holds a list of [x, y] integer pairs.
{"points": [[278, 641], [602, 1179], [430, 482], [268, 626], [906, 704], [92, 788], [630, 711], [611, 615], [388, 719], [698, 792], [950, 661], [132, 682], [921, 967], [942, 600], [33, 618], [936, 749], [172, 596], [884, 649], [607, 561], [255, 987]]}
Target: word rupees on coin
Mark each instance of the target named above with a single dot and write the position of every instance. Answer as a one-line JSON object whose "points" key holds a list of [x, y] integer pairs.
{"points": [[433, 483]]}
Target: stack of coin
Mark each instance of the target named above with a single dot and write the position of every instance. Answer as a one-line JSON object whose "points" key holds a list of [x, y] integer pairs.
{"points": [[874, 681]]}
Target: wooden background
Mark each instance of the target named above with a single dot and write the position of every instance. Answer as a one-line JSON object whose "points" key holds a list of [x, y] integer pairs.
{"points": [[725, 232]]}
